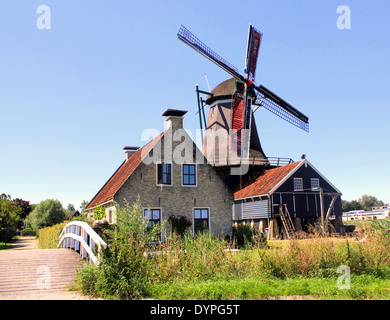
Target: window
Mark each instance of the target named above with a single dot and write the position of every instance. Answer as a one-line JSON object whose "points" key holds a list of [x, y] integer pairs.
{"points": [[164, 173], [298, 184], [189, 174], [201, 220], [315, 184], [153, 215]]}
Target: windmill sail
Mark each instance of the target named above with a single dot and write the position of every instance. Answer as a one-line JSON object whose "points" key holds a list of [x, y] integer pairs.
{"points": [[191, 40], [265, 97], [252, 52], [281, 108]]}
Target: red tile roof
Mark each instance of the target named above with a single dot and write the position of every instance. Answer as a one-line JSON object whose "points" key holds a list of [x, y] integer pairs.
{"points": [[107, 192], [265, 182]]}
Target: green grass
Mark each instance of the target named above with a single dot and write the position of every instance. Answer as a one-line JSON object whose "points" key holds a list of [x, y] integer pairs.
{"points": [[362, 287], [201, 268], [5, 246]]}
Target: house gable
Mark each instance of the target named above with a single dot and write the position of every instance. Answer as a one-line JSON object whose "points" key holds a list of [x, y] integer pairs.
{"points": [[137, 178], [107, 192], [306, 171], [209, 193]]}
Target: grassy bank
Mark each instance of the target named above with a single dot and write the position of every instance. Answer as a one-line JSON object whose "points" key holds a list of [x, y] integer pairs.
{"points": [[362, 287], [202, 268]]}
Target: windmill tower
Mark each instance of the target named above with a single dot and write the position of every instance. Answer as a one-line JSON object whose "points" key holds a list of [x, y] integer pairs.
{"points": [[231, 136], [223, 142]]}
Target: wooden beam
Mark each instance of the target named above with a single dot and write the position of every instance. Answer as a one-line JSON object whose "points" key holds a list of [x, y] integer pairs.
{"points": [[322, 207], [330, 208]]}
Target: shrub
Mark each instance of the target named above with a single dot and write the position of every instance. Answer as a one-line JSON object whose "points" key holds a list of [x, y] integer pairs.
{"points": [[124, 271], [246, 235], [179, 224], [28, 232], [48, 237], [99, 213]]}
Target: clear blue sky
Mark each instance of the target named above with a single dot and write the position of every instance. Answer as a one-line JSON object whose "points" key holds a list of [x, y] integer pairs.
{"points": [[71, 97]]}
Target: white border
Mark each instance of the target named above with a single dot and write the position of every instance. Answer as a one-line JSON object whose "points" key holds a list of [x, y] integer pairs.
{"points": [[164, 185], [311, 185], [193, 218], [301, 183], [161, 214], [196, 176]]}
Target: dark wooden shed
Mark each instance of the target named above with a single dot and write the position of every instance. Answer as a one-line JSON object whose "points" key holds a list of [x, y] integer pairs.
{"points": [[298, 191]]}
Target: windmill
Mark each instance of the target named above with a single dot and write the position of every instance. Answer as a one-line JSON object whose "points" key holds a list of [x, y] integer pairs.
{"points": [[238, 116]]}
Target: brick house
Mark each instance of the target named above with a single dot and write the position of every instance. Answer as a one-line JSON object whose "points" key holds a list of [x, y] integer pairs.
{"points": [[171, 177]]}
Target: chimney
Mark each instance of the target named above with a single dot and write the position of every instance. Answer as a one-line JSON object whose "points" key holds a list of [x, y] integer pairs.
{"points": [[174, 118], [129, 150]]}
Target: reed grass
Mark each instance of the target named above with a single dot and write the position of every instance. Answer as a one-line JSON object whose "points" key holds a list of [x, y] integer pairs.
{"points": [[205, 267]]}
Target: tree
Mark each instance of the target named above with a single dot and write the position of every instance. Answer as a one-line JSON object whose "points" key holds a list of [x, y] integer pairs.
{"points": [[10, 217], [70, 208], [83, 206], [24, 206], [47, 213], [4, 196], [367, 202], [351, 205]]}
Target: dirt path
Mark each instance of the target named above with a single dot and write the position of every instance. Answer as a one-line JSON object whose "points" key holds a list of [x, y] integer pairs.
{"points": [[29, 273]]}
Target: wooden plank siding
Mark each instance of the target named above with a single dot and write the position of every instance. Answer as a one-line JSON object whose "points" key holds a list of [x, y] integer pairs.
{"points": [[305, 203], [252, 209], [275, 187]]}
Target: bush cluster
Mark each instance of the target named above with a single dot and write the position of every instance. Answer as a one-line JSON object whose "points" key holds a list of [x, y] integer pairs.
{"points": [[48, 237]]}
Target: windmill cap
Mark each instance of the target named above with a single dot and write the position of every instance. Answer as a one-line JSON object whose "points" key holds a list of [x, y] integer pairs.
{"points": [[174, 112], [227, 90]]}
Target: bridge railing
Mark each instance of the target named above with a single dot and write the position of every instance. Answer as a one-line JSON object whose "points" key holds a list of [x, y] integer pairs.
{"points": [[79, 236]]}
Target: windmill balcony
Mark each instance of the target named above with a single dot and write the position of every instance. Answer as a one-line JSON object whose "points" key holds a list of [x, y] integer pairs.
{"points": [[255, 161]]}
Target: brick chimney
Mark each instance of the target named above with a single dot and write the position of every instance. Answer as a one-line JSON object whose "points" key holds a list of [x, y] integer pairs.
{"points": [[174, 118], [129, 150]]}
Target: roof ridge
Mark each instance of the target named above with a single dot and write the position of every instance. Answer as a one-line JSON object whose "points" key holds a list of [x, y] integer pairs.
{"points": [[266, 181], [116, 181]]}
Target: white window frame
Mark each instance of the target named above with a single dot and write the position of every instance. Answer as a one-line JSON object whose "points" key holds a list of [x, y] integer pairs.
{"points": [[163, 184], [318, 186], [196, 175], [154, 208], [298, 182], [193, 217]]}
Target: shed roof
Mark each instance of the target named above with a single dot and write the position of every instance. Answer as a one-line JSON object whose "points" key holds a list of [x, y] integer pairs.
{"points": [[266, 182], [107, 192]]}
